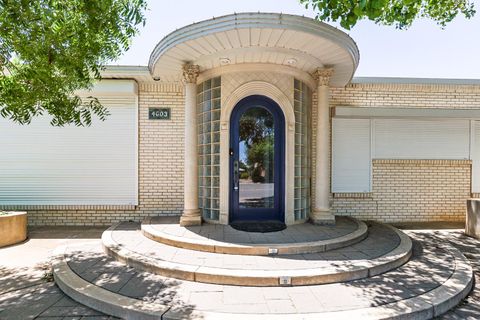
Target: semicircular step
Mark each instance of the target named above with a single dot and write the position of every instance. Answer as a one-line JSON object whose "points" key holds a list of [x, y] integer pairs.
{"points": [[296, 239], [436, 279], [384, 249]]}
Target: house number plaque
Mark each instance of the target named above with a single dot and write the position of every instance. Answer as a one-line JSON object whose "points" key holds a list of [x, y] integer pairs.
{"points": [[159, 113]]}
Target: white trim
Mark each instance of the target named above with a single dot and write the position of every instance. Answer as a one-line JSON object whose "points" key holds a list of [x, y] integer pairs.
{"points": [[138, 73], [382, 80], [255, 20], [407, 113], [372, 152], [137, 150], [274, 93], [110, 87], [472, 139], [259, 67], [167, 64]]}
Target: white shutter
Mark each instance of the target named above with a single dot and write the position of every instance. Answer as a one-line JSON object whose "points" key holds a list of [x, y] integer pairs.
{"points": [[351, 158], [421, 139], [476, 158], [96, 165]]}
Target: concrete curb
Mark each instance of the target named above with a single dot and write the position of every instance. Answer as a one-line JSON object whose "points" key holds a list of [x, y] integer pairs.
{"points": [[98, 298], [258, 278], [358, 235], [425, 306]]}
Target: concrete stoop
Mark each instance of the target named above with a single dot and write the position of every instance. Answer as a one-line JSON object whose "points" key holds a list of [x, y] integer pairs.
{"points": [[414, 280], [384, 249], [296, 239]]}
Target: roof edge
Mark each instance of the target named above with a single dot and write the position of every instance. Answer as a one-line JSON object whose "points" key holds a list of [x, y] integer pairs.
{"points": [[252, 19], [409, 80]]}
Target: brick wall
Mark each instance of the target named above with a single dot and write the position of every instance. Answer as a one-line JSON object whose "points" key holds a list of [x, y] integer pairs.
{"points": [[407, 96], [411, 190], [160, 168], [429, 190]]}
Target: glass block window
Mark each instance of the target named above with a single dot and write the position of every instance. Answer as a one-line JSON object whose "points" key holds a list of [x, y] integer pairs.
{"points": [[302, 108], [208, 113]]}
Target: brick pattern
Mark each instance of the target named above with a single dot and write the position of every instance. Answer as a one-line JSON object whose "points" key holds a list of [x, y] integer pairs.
{"points": [[160, 168], [230, 82], [407, 96], [409, 191], [412, 190]]}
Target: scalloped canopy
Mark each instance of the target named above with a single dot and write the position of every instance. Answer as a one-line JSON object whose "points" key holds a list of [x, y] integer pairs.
{"points": [[245, 38]]}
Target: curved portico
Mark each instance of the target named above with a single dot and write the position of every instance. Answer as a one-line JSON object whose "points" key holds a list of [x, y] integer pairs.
{"points": [[282, 57]]}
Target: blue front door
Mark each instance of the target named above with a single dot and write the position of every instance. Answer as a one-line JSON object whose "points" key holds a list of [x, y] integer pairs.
{"points": [[257, 153]]}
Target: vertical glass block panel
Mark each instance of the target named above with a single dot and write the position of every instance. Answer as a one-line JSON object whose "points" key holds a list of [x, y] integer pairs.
{"points": [[215, 214], [216, 126], [207, 96], [207, 85], [216, 93], [208, 114], [216, 82], [303, 129]]}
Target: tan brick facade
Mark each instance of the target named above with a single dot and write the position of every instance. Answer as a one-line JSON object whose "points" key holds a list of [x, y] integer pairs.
{"points": [[411, 190], [407, 95], [402, 190]]}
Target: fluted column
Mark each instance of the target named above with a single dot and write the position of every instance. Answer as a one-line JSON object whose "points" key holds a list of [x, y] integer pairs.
{"points": [[191, 214], [321, 213]]}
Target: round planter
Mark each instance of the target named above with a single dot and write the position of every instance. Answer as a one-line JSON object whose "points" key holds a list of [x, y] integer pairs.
{"points": [[13, 228]]}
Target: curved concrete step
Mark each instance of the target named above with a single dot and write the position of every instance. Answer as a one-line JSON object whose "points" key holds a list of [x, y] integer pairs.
{"points": [[384, 249], [296, 239], [436, 279]]}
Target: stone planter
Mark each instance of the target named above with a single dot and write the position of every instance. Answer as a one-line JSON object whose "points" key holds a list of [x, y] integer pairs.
{"points": [[472, 224], [13, 228]]}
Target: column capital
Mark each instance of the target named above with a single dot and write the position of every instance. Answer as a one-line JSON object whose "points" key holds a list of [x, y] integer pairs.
{"points": [[323, 75], [190, 72]]}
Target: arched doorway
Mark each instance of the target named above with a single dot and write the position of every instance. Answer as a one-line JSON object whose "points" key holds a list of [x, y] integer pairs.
{"points": [[257, 161]]}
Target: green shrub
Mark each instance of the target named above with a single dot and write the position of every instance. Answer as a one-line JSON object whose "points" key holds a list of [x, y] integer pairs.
{"points": [[244, 175]]}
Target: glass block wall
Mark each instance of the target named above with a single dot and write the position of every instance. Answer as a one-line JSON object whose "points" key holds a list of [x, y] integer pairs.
{"points": [[208, 113], [302, 106]]}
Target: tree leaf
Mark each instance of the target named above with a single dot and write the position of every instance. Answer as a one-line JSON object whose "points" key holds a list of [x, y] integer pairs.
{"points": [[51, 48]]}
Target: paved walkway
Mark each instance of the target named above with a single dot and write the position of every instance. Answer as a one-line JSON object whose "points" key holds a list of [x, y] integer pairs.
{"points": [[26, 289], [25, 295], [469, 309], [431, 266]]}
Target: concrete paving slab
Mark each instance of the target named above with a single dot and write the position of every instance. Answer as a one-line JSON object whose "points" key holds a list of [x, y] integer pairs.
{"points": [[10, 260], [375, 293], [24, 293]]}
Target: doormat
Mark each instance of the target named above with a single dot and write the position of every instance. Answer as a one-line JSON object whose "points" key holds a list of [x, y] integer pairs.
{"points": [[258, 226]]}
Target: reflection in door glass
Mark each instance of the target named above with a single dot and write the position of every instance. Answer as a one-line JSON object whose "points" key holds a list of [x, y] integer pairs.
{"points": [[256, 167]]}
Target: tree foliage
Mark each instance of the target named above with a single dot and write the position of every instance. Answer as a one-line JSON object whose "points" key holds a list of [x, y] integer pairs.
{"points": [[260, 158], [257, 129], [400, 13], [51, 48], [255, 125]]}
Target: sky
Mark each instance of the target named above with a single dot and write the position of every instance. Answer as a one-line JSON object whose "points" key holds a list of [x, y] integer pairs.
{"points": [[423, 51]]}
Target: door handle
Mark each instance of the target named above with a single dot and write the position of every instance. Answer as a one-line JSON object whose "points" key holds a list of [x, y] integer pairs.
{"points": [[236, 175]]}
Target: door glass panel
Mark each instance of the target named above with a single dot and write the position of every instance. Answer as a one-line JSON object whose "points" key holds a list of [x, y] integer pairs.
{"points": [[256, 159]]}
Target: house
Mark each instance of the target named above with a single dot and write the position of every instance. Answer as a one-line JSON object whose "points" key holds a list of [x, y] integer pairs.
{"points": [[251, 116]]}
